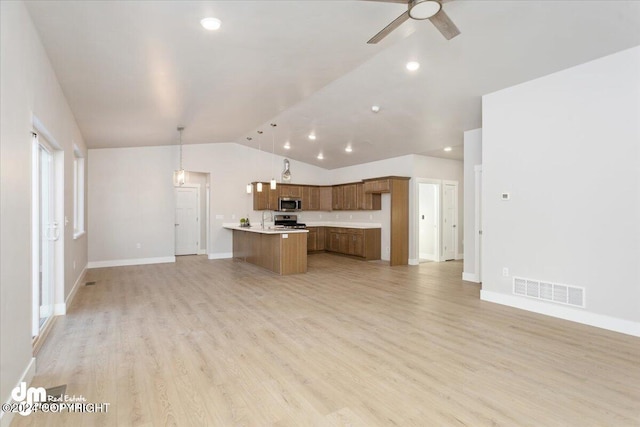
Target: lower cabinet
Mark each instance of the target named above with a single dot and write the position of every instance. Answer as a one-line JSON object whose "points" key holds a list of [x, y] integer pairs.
{"points": [[315, 239], [363, 243]]}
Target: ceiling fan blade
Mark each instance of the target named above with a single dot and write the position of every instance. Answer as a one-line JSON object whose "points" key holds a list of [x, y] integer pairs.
{"points": [[445, 25], [386, 30]]}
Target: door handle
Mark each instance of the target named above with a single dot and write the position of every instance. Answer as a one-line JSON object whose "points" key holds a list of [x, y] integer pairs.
{"points": [[53, 232], [176, 224]]}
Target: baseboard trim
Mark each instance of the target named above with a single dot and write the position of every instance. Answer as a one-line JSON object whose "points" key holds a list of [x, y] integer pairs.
{"points": [[459, 256], [61, 309], [202, 251], [125, 262], [221, 255], [562, 312], [470, 277], [27, 377], [414, 262]]}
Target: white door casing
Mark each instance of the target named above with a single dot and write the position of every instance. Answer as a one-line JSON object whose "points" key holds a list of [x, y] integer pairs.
{"points": [[478, 223], [187, 224], [449, 220]]}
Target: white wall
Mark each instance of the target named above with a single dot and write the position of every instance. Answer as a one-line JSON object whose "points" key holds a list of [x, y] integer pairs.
{"points": [[566, 146], [472, 158], [131, 204], [28, 88], [131, 197]]}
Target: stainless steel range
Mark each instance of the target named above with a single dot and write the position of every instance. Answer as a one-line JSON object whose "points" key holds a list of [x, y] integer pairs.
{"points": [[288, 221]]}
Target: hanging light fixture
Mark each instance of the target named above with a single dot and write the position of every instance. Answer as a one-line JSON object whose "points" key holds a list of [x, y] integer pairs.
{"points": [[249, 184], [179, 175], [273, 154], [259, 184]]}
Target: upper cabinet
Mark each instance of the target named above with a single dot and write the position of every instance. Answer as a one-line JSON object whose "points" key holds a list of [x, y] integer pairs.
{"points": [[265, 200], [364, 195], [287, 190], [381, 185], [310, 198]]}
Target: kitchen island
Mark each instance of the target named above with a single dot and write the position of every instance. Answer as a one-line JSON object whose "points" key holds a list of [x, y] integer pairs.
{"points": [[283, 251]]}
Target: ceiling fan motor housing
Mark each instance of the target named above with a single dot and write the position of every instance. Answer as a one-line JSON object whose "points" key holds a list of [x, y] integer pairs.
{"points": [[423, 9]]}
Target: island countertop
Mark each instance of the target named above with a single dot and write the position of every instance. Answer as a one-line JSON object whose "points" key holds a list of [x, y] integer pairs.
{"points": [[266, 230]]}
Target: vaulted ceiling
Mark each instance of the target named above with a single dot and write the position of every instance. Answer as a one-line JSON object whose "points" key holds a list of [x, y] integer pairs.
{"points": [[134, 70]]}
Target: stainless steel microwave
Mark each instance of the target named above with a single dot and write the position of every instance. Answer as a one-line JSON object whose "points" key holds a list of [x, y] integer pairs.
{"points": [[289, 204]]}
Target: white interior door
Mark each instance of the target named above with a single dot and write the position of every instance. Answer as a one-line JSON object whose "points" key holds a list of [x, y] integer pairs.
{"points": [[187, 222], [449, 221], [428, 220]]}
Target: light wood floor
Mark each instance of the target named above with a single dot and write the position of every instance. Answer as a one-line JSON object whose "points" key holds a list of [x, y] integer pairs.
{"points": [[226, 343]]}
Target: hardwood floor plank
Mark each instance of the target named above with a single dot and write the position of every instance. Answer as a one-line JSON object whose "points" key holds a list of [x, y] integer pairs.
{"points": [[226, 343]]}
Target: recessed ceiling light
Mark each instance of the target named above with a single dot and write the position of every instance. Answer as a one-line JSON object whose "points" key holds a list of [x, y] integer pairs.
{"points": [[413, 65], [312, 136], [211, 24], [320, 156], [287, 146], [447, 149], [375, 108], [348, 149]]}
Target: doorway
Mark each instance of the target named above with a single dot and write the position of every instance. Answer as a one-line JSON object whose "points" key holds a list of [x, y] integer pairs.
{"points": [[428, 222], [449, 220], [187, 222], [46, 230]]}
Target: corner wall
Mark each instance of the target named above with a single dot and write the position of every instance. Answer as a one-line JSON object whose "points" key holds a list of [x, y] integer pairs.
{"points": [[472, 158], [566, 148]]}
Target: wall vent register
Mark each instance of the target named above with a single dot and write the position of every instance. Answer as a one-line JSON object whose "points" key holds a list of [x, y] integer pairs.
{"points": [[547, 291]]}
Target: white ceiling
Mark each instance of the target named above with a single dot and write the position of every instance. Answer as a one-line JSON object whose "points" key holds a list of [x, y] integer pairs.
{"points": [[133, 70]]}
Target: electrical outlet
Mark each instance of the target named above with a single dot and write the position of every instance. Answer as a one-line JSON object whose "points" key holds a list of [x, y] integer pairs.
{"points": [[505, 272], [138, 245], [233, 216], [350, 216]]}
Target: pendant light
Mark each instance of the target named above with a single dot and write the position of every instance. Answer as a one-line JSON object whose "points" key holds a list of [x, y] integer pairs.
{"points": [[179, 175], [273, 154], [249, 184], [259, 184]]}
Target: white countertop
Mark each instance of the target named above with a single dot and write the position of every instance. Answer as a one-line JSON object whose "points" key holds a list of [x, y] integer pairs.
{"points": [[258, 229], [343, 224]]}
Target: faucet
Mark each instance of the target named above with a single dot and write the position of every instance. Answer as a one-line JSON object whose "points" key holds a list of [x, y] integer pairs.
{"points": [[270, 214]]}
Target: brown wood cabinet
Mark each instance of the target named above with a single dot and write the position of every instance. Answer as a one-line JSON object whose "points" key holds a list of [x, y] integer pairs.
{"points": [[315, 239], [363, 243], [325, 198], [310, 198], [288, 190], [283, 253], [345, 197], [264, 200], [367, 201], [377, 185]]}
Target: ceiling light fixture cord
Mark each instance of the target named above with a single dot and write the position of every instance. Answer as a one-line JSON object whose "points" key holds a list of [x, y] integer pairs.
{"points": [[180, 129], [273, 154]]}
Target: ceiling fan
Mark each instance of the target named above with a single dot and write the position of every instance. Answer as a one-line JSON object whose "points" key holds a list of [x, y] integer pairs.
{"points": [[420, 9]]}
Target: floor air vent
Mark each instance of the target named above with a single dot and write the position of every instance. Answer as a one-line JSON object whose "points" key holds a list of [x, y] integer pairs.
{"points": [[90, 283], [547, 291]]}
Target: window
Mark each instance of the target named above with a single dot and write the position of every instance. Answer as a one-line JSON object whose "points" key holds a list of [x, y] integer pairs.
{"points": [[78, 193]]}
